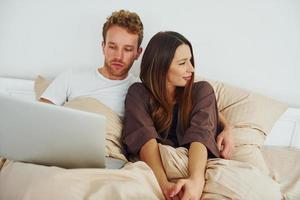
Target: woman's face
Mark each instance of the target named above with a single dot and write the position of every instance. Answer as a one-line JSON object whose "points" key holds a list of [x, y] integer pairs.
{"points": [[181, 68]]}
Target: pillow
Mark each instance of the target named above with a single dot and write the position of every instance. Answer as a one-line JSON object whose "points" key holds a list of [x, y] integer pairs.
{"points": [[252, 116], [246, 109], [224, 179], [113, 145]]}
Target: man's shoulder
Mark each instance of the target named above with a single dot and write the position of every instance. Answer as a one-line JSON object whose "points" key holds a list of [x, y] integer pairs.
{"points": [[132, 78]]}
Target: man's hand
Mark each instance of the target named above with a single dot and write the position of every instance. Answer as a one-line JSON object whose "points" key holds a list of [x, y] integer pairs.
{"points": [[224, 139], [225, 143]]}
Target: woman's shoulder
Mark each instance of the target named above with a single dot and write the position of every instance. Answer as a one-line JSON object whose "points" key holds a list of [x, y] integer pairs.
{"points": [[202, 89], [137, 95], [138, 88]]}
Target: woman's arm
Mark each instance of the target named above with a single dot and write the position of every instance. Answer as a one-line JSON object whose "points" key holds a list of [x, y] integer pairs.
{"points": [[192, 187], [197, 162], [150, 154]]}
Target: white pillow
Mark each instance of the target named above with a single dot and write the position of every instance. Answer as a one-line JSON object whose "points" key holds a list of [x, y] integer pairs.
{"points": [[20, 88]]}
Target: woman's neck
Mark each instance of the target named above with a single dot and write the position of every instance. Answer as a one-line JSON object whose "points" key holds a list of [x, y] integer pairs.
{"points": [[171, 94]]}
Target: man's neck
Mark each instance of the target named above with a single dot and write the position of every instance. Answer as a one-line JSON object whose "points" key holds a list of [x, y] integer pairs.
{"points": [[106, 74]]}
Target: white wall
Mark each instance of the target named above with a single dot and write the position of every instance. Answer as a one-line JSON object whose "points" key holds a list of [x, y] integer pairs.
{"points": [[253, 44]]}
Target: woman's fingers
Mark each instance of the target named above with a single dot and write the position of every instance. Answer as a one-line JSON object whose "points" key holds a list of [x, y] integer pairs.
{"points": [[177, 188]]}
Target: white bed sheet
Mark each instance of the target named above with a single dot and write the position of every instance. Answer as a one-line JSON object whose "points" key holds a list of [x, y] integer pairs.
{"points": [[286, 131]]}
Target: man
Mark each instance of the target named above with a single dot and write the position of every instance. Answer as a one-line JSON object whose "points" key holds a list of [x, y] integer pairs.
{"points": [[122, 36]]}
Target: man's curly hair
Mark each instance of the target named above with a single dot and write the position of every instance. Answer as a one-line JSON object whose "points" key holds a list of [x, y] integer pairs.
{"points": [[128, 20]]}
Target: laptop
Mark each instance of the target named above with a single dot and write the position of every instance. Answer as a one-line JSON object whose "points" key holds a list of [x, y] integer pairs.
{"points": [[47, 134]]}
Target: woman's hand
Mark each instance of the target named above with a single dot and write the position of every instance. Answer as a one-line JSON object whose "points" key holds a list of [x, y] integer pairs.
{"points": [[184, 189], [168, 189], [225, 142]]}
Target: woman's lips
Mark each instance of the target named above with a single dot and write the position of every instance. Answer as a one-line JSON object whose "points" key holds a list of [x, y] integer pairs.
{"points": [[187, 78]]}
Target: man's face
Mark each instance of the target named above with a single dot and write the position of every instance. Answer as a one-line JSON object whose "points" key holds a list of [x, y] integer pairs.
{"points": [[120, 50]]}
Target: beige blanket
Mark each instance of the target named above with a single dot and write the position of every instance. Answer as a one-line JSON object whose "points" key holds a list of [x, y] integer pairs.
{"points": [[21, 181], [225, 179], [284, 167]]}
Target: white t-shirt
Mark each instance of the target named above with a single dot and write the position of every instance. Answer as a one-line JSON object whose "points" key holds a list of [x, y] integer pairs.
{"points": [[89, 83]]}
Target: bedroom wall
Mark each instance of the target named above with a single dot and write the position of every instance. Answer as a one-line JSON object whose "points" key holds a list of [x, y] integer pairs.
{"points": [[254, 44]]}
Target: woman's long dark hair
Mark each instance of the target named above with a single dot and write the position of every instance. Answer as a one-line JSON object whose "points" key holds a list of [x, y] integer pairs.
{"points": [[155, 65]]}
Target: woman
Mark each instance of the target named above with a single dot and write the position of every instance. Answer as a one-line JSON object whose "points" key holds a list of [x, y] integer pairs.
{"points": [[169, 108]]}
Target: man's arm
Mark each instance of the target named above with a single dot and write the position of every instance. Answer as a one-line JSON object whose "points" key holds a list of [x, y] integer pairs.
{"points": [[45, 100], [58, 90], [224, 122], [225, 138]]}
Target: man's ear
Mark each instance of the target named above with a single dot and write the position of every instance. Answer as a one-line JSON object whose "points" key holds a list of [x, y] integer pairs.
{"points": [[103, 45], [139, 51]]}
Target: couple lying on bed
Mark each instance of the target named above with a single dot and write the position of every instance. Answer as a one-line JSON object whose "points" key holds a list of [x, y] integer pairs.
{"points": [[166, 107]]}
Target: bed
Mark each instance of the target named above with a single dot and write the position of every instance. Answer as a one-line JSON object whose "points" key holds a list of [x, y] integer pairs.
{"points": [[278, 143]]}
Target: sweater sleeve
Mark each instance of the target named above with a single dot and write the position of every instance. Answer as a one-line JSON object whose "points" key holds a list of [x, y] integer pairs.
{"points": [[204, 119], [138, 126]]}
